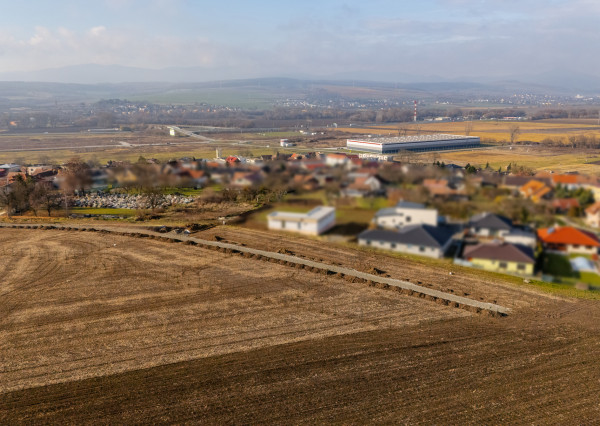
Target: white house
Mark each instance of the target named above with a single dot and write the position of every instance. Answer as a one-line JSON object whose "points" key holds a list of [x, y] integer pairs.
{"points": [[592, 215], [518, 236], [315, 222], [489, 225], [405, 213], [336, 159]]}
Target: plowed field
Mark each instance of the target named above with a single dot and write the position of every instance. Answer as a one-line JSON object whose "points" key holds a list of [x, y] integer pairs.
{"points": [[114, 329]]}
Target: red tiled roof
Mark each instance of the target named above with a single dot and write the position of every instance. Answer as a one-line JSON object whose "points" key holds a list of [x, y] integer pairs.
{"points": [[568, 235], [565, 203], [565, 179]]}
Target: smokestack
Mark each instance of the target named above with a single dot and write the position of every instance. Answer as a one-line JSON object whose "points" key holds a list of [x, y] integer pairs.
{"points": [[415, 117]]}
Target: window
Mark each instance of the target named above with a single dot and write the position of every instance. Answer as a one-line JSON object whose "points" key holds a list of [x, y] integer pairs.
{"points": [[368, 242], [407, 218], [393, 245], [421, 249], [503, 265], [521, 267]]}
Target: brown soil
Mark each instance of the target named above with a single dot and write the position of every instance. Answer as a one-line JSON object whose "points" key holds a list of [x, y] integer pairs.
{"points": [[472, 284], [112, 329]]}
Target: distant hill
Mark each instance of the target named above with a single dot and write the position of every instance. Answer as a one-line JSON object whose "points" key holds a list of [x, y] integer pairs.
{"points": [[256, 93], [558, 80]]}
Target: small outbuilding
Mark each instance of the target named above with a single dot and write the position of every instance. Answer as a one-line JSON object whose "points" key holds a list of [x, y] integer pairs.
{"points": [[315, 222]]}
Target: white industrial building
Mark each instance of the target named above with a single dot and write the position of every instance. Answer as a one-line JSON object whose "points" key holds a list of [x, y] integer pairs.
{"points": [[394, 145], [315, 222]]}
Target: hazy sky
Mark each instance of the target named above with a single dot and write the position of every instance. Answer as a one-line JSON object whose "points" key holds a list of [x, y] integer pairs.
{"points": [[305, 37]]}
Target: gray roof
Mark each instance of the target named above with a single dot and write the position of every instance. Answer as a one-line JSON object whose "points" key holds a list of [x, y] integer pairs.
{"points": [[520, 233], [410, 205], [388, 211], [501, 251], [393, 211], [420, 138], [491, 221], [420, 235]]}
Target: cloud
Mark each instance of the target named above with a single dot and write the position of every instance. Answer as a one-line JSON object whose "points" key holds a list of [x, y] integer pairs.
{"points": [[458, 37], [97, 31]]}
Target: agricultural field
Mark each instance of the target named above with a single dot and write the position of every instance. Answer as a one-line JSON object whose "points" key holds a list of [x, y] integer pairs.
{"points": [[126, 146], [114, 329], [538, 158], [496, 131]]}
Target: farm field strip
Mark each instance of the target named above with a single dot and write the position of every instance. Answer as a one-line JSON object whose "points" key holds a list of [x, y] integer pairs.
{"points": [[100, 309], [106, 327], [343, 271]]}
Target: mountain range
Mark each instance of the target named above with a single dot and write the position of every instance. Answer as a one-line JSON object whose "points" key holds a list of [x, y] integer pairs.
{"points": [[559, 81]]}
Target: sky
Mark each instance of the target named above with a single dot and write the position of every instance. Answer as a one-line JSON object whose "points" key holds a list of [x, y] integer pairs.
{"points": [[265, 38]]}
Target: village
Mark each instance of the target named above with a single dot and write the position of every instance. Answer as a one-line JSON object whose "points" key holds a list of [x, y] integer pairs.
{"points": [[511, 220]]}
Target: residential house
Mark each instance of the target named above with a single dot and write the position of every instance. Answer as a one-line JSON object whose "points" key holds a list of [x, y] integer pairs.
{"points": [[567, 239], [490, 225], [536, 190], [422, 239], [501, 257], [10, 167], [197, 178], [405, 213], [592, 215], [315, 222], [591, 183], [335, 159], [306, 182], [514, 182], [563, 205], [442, 188], [363, 185], [570, 181], [245, 179], [522, 237], [232, 160]]}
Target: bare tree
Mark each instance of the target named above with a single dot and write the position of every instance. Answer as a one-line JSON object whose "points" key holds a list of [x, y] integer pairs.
{"points": [[42, 197], [77, 176], [15, 197], [514, 131]]}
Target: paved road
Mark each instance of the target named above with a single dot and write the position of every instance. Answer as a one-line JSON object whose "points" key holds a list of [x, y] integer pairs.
{"points": [[405, 285], [190, 134]]}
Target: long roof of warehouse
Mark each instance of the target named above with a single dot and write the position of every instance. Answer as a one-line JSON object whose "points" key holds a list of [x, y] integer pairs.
{"points": [[417, 138]]}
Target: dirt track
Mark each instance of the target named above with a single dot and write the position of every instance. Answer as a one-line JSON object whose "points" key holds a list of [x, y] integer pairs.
{"points": [[132, 330]]}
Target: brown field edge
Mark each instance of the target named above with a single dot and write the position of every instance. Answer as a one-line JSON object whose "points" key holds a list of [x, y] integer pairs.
{"points": [[404, 287]]}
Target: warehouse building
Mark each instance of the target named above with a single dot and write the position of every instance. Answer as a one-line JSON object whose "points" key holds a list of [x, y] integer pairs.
{"points": [[419, 143]]}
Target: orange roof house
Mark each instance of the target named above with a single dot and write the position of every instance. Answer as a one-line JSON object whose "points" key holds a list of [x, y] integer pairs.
{"points": [[535, 190], [569, 239], [569, 181]]}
